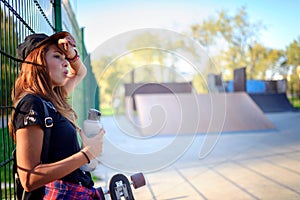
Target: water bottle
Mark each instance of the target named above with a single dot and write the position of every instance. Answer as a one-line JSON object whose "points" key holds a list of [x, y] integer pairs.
{"points": [[91, 127]]}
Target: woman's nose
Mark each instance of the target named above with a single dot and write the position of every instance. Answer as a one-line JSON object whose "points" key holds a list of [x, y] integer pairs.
{"points": [[66, 63]]}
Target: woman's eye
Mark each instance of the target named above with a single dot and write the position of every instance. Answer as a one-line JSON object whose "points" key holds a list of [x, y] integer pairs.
{"points": [[56, 56]]}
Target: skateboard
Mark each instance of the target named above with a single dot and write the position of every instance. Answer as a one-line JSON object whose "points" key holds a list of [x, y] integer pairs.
{"points": [[120, 187]]}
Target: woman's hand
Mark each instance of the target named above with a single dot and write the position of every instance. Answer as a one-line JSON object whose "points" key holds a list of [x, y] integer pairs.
{"points": [[77, 70], [67, 45], [92, 146]]}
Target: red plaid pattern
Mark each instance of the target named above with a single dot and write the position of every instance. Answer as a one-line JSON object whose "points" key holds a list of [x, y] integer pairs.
{"points": [[67, 191]]}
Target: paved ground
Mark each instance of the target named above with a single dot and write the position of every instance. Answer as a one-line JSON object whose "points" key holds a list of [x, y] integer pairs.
{"points": [[242, 165]]}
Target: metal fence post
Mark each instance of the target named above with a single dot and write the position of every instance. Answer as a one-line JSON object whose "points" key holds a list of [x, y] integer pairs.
{"points": [[57, 15]]}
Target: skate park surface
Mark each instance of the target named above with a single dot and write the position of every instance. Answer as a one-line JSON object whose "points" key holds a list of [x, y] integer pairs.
{"points": [[235, 164]]}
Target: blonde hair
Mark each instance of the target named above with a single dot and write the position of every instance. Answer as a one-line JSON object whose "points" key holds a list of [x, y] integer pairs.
{"points": [[35, 79]]}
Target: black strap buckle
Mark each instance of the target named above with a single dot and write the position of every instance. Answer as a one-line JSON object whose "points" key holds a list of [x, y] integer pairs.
{"points": [[48, 122]]}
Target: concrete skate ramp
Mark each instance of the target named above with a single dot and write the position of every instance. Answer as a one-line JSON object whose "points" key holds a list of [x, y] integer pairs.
{"points": [[268, 103], [199, 113]]}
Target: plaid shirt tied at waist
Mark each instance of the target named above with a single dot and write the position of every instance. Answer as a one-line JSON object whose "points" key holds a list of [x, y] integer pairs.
{"points": [[64, 190]]}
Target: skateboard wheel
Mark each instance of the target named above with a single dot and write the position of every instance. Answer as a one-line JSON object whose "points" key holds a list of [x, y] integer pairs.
{"points": [[138, 180], [120, 188]]}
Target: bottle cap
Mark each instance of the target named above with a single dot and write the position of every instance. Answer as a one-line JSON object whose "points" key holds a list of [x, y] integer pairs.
{"points": [[94, 114]]}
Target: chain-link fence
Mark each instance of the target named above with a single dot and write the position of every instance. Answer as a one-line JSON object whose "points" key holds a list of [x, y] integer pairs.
{"points": [[18, 19]]}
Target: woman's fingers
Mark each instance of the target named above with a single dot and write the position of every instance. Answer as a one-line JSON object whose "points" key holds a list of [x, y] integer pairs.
{"points": [[71, 41], [65, 45], [93, 144], [68, 40]]}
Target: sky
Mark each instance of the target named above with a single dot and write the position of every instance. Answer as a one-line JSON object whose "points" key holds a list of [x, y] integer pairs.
{"points": [[104, 19]]}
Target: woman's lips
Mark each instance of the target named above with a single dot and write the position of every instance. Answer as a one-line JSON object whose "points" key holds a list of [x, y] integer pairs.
{"points": [[66, 73]]}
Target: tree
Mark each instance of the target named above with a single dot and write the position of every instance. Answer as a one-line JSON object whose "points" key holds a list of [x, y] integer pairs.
{"points": [[293, 53], [8, 68], [293, 60], [235, 36], [149, 56], [262, 59]]}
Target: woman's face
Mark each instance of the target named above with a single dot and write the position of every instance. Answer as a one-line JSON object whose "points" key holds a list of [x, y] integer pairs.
{"points": [[57, 65]]}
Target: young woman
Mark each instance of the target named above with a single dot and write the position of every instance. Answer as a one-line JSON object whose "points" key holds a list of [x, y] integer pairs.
{"points": [[51, 70]]}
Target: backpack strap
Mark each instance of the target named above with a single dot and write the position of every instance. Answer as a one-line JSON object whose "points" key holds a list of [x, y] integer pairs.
{"points": [[47, 132]]}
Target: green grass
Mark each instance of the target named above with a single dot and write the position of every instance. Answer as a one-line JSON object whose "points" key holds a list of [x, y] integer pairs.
{"points": [[6, 174], [96, 178], [106, 111], [295, 101]]}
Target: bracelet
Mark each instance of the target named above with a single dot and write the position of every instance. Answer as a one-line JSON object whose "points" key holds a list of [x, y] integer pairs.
{"points": [[85, 156], [75, 58]]}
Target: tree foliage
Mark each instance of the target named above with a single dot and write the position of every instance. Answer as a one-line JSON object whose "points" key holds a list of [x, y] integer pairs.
{"points": [[8, 68], [293, 61], [293, 53], [147, 57], [237, 40]]}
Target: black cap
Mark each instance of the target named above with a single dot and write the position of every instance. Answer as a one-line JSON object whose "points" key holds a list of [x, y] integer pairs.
{"points": [[34, 41]]}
